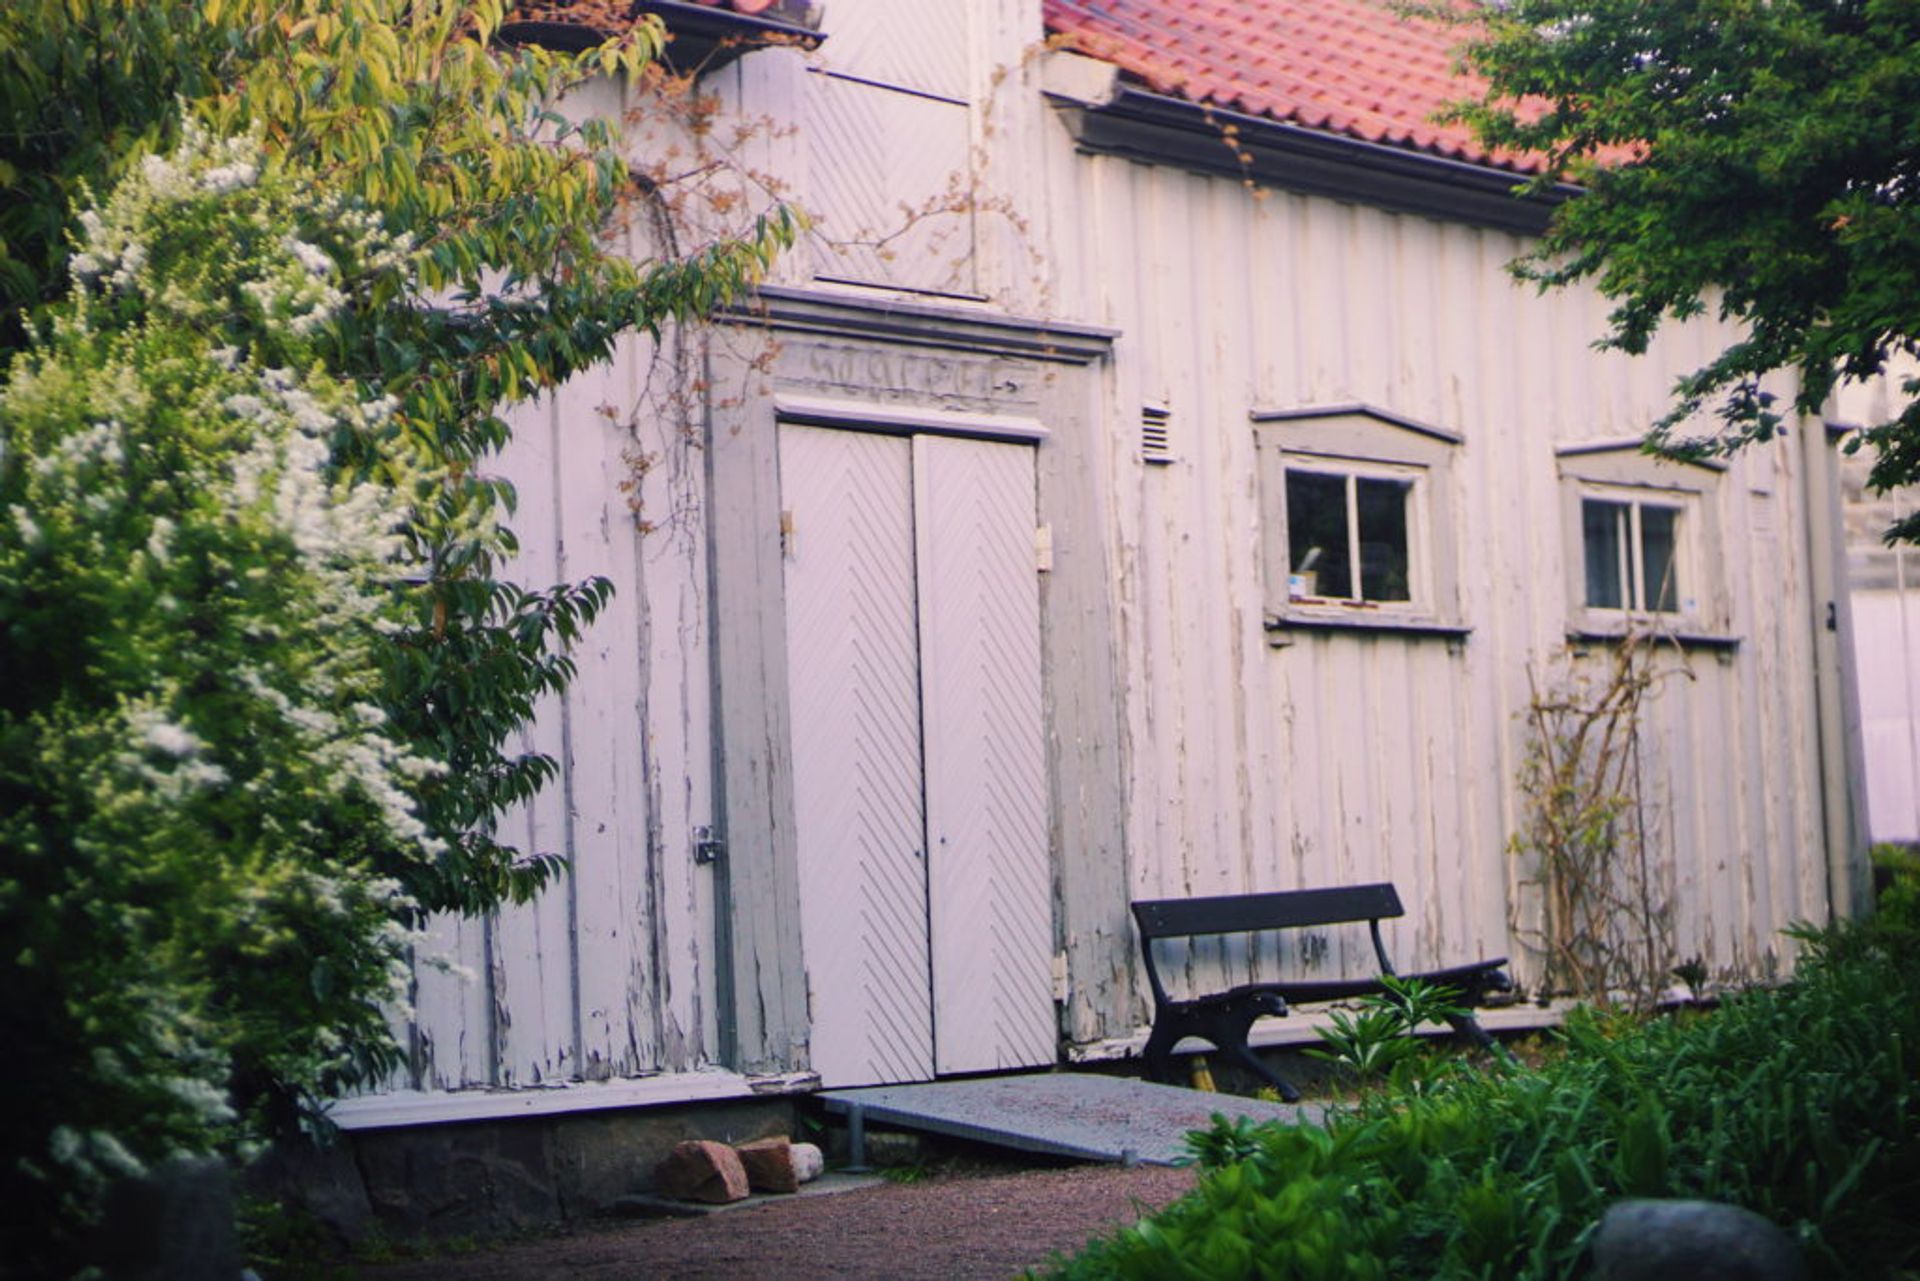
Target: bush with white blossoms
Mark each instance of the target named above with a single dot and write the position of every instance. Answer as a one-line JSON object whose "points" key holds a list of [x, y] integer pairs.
{"points": [[262, 691], [202, 803]]}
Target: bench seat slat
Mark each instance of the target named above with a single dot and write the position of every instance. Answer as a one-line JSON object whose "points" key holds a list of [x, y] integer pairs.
{"points": [[1464, 978], [1244, 913]]}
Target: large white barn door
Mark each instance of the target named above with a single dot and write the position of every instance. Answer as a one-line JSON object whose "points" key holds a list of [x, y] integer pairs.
{"points": [[919, 781], [991, 890]]}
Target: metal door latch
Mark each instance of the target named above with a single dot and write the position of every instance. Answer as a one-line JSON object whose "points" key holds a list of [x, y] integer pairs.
{"points": [[707, 848]]}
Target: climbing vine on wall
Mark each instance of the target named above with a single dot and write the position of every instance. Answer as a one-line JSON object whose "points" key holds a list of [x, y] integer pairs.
{"points": [[1597, 912]]}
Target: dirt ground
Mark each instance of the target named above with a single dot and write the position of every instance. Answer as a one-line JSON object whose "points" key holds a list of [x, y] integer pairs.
{"points": [[944, 1227]]}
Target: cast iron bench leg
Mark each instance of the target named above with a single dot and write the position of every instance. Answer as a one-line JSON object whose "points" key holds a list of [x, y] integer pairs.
{"points": [[1159, 1051], [1243, 1054], [1469, 1030]]}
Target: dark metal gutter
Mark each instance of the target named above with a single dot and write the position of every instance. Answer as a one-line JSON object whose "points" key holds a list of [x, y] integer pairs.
{"points": [[704, 38], [1158, 129]]}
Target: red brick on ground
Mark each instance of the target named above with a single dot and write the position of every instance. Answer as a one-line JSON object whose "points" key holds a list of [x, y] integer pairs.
{"points": [[702, 1170], [769, 1164]]}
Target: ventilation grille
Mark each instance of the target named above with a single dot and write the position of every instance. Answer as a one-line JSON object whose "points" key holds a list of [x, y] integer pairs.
{"points": [[1156, 442]]}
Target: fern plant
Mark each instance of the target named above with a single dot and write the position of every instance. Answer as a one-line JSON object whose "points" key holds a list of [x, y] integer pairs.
{"points": [[1371, 1043]]}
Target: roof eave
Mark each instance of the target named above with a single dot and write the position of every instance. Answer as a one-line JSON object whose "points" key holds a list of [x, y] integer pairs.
{"points": [[1142, 125], [704, 38]]}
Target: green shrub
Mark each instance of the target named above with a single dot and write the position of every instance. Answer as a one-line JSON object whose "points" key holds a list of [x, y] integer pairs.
{"points": [[1897, 911], [1378, 1043], [261, 691], [1797, 1102], [197, 784]]}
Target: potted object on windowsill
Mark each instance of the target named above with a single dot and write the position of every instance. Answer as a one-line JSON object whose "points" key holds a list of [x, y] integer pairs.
{"points": [[1303, 582]]}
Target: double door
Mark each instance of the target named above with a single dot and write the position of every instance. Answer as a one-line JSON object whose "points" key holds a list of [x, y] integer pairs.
{"points": [[919, 772]]}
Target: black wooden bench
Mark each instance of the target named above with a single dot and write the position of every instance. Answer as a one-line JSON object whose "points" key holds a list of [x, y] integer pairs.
{"points": [[1224, 1018]]}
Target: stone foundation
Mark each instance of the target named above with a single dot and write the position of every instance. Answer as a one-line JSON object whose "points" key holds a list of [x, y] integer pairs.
{"points": [[495, 1178]]}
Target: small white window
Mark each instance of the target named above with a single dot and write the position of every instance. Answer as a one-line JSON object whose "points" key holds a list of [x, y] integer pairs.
{"points": [[1349, 532], [1357, 521], [1632, 553], [1641, 543]]}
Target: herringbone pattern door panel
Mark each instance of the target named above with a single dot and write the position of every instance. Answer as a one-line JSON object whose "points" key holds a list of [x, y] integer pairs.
{"points": [[991, 888], [853, 660]]}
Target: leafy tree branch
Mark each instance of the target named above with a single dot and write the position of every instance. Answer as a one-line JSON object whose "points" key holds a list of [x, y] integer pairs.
{"points": [[1760, 161]]}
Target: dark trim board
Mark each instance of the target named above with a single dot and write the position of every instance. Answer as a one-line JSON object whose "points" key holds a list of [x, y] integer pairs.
{"points": [[888, 319], [1360, 622], [1310, 412], [701, 39], [1158, 129], [706, 38], [1722, 642]]}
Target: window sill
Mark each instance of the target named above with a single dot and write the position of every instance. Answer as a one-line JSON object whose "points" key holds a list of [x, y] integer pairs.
{"points": [[1685, 637], [1357, 618]]}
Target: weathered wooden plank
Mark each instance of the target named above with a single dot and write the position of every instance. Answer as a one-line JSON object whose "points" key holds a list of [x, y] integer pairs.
{"points": [[1886, 643], [534, 993], [763, 1017], [1086, 490], [675, 747], [613, 911], [452, 1042]]}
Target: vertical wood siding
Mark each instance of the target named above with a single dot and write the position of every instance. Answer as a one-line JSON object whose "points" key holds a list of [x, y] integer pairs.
{"points": [[1186, 753], [1887, 647], [603, 975], [1885, 639], [1346, 757], [606, 974]]}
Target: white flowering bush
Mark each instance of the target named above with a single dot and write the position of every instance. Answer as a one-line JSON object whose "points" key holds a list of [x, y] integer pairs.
{"points": [[261, 692], [202, 801]]}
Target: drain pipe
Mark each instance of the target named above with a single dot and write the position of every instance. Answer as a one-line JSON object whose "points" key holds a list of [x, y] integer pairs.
{"points": [[1836, 683]]}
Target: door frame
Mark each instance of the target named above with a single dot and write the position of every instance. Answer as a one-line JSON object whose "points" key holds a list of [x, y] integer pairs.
{"points": [[844, 360]]}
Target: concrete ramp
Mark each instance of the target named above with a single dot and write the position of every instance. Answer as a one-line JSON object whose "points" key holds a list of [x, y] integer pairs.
{"points": [[1070, 1114]]}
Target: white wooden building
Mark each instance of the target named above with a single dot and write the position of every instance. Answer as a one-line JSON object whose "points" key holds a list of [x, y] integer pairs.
{"points": [[1885, 591], [962, 580]]}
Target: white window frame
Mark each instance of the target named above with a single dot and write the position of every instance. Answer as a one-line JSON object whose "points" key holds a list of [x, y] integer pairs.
{"points": [[1350, 470], [1619, 472], [1631, 550], [1361, 442]]}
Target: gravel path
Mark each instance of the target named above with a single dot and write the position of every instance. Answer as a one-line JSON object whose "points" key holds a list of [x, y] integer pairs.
{"points": [[944, 1228]]}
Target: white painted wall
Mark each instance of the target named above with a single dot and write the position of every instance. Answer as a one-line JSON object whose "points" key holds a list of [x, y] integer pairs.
{"points": [[1887, 651], [1344, 758], [1886, 619], [1237, 765], [607, 975]]}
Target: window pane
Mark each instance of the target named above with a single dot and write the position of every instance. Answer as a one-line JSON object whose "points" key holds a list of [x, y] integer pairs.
{"points": [[1384, 574], [1604, 531], [1317, 532], [1659, 537]]}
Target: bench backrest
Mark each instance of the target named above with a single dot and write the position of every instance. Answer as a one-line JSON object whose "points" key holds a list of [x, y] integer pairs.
{"points": [[1245, 913], [1242, 913]]}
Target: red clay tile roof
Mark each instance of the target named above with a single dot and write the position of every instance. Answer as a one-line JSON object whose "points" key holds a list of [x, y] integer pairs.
{"points": [[1350, 67]]}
